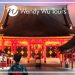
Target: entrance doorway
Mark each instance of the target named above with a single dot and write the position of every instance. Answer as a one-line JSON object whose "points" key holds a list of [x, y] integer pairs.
{"points": [[36, 52], [52, 55]]}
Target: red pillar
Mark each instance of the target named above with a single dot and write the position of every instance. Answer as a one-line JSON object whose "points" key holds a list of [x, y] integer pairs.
{"points": [[72, 61], [2, 44], [57, 54], [61, 58], [28, 53], [14, 46], [44, 53]]}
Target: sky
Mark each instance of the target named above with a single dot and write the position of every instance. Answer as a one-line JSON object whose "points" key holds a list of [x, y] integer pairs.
{"points": [[71, 7]]}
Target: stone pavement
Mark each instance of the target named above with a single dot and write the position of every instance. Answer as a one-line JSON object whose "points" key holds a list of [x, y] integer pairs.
{"points": [[44, 71]]}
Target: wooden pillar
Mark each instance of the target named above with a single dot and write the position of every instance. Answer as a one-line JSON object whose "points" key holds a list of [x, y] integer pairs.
{"points": [[44, 54], [57, 54], [61, 58], [14, 46], [72, 61], [2, 44], [28, 53]]}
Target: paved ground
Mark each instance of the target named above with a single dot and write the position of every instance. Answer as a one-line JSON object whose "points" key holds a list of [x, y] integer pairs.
{"points": [[45, 71], [46, 74]]}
